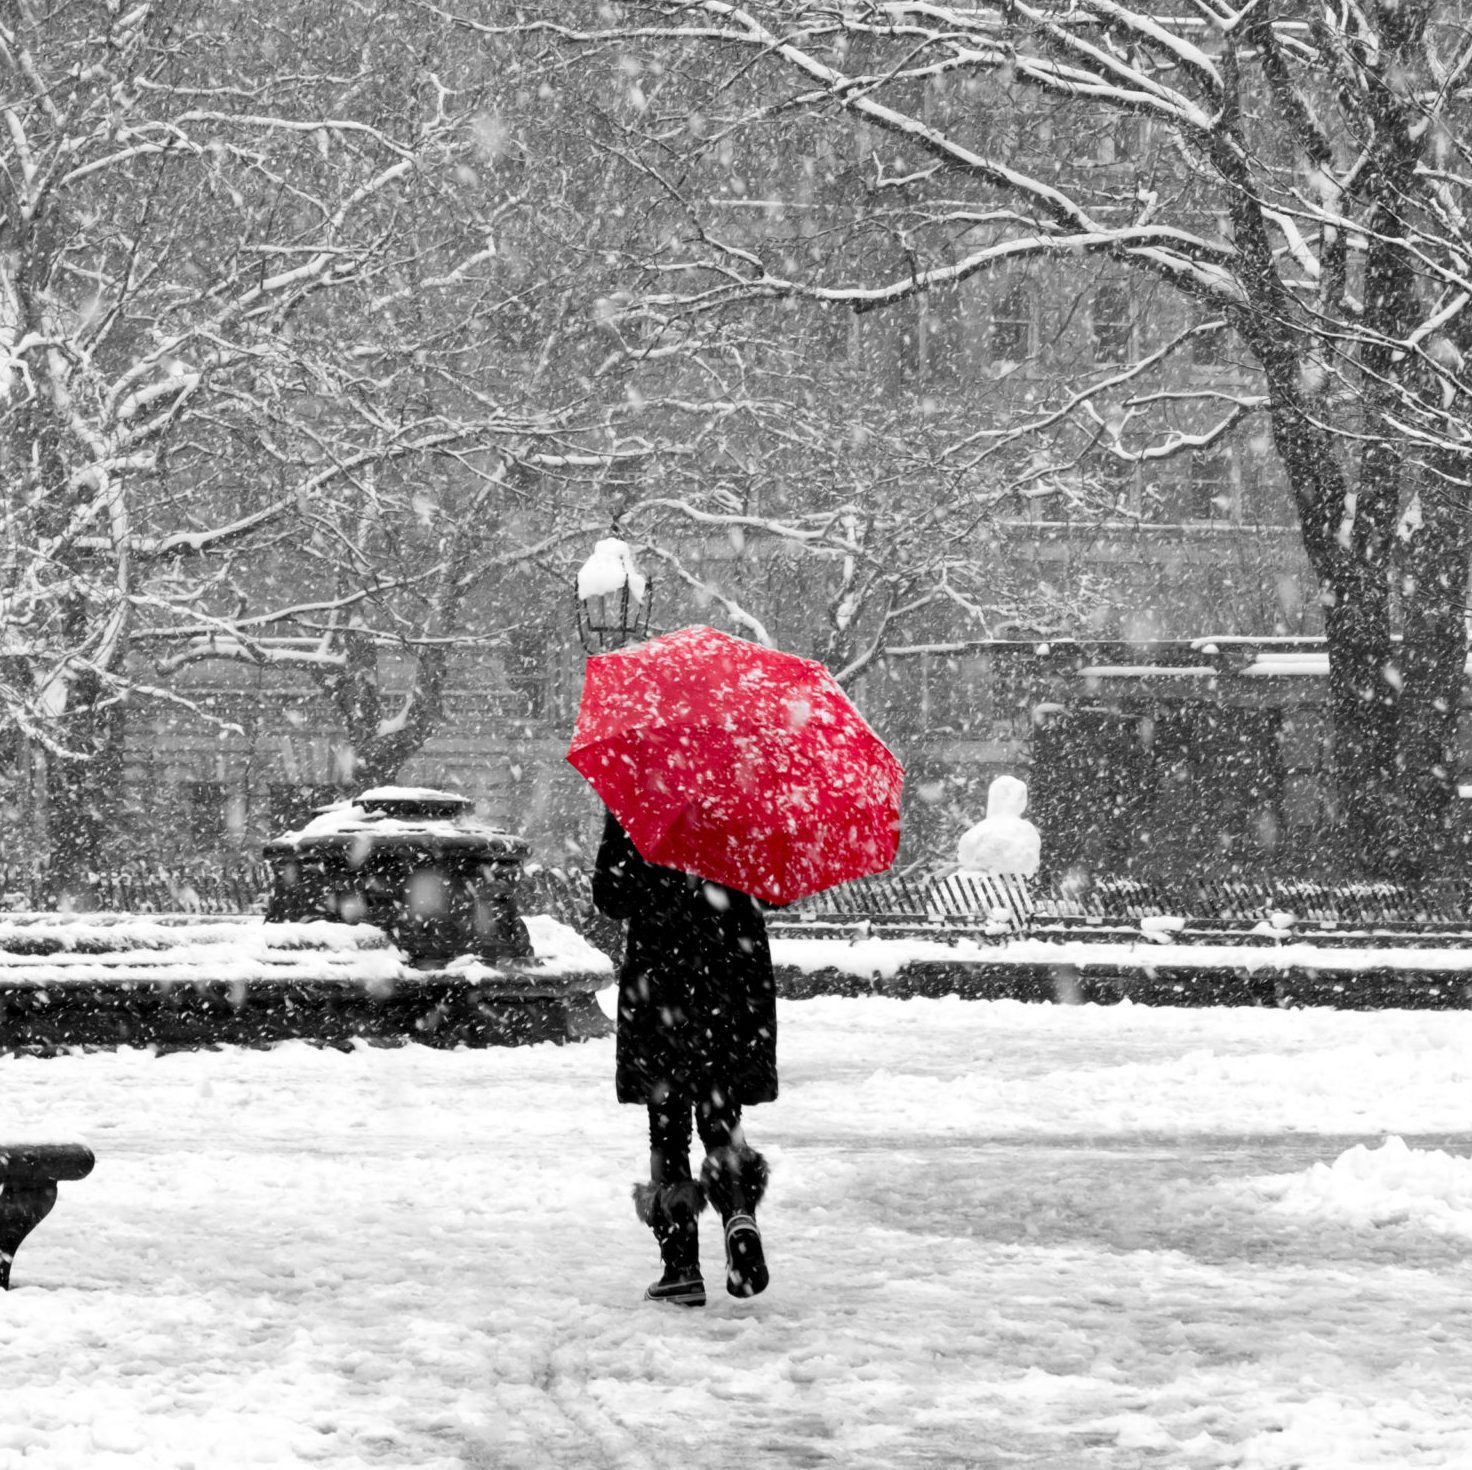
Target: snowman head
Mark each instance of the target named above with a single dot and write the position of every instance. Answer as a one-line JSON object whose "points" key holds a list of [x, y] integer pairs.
{"points": [[1007, 797]]}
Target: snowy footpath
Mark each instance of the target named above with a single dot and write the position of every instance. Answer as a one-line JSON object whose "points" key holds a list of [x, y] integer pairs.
{"points": [[1001, 1235]]}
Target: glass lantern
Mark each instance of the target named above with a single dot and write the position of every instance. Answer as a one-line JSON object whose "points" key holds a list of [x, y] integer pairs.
{"points": [[613, 598]]}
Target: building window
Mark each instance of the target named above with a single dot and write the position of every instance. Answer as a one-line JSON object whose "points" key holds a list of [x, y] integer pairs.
{"points": [[932, 346], [908, 354], [1118, 138], [1265, 497], [1047, 504], [204, 813], [1011, 336], [1113, 324], [1209, 490], [1209, 348], [1113, 483], [1103, 138], [1158, 501], [942, 334], [830, 331], [527, 666]]}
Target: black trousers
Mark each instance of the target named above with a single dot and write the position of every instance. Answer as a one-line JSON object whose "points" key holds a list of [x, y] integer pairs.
{"points": [[717, 1119]]}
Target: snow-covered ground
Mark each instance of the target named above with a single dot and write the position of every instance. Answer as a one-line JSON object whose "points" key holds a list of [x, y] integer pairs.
{"points": [[1001, 1235]]}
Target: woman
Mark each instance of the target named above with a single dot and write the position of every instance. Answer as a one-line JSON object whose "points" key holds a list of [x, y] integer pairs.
{"points": [[697, 1038]]}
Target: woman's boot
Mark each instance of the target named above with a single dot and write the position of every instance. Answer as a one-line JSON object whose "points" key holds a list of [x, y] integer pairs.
{"points": [[735, 1180], [671, 1211]]}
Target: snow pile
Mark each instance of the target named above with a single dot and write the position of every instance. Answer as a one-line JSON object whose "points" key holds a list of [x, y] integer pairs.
{"points": [[1240, 1070], [559, 950], [1376, 1187], [1159, 928], [249, 950], [247, 934], [356, 815]]}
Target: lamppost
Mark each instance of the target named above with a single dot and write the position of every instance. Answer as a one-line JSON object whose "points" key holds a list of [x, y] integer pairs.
{"points": [[614, 598]]}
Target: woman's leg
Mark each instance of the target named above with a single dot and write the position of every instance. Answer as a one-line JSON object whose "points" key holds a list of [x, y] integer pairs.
{"points": [[734, 1174], [669, 1140], [719, 1122], [670, 1204], [735, 1179]]}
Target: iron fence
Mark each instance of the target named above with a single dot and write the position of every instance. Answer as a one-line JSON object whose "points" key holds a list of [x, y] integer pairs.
{"points": [[149, 888], [958, 899], [1209, 901]]}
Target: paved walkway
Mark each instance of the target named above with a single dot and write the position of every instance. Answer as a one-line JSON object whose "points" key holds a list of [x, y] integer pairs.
{"points": [[1001, 1235]]}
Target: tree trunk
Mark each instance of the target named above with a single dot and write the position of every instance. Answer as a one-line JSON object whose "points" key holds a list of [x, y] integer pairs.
{"points": [[378, 754], [1434, 556], [82, 796], [1362, 708], [1355, 582]]}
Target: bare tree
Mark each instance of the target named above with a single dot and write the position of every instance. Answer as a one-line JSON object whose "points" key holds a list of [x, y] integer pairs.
{"points": [[270, 376], [1297, 182], [749, 451]]}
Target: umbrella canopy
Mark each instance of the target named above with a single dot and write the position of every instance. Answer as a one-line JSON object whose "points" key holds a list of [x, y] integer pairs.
{"points": [[741, 764]]}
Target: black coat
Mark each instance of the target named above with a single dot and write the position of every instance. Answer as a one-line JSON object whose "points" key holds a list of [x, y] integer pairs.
{"points": [[697, 1005]]}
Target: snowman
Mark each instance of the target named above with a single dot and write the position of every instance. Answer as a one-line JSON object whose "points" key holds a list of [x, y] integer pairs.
{"points": [[1004, 841]]}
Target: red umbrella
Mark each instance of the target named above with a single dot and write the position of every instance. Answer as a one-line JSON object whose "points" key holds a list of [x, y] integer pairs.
{"points": [[738, 763]]}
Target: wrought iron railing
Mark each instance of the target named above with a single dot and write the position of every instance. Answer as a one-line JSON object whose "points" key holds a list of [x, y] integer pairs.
{"points": [[148, 888], [1233, 903], [954, 901]]}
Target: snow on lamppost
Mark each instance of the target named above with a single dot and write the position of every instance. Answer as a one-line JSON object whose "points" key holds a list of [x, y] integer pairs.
{"points": [[614, 598]]}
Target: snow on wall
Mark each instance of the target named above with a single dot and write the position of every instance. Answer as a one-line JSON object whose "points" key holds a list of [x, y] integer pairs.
{"points": [[245, 950]]}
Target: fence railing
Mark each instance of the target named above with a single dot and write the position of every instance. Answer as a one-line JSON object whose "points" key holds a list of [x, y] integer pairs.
{"points": [[1229, 902], [1001, 902], [148, 888], [243, 887], [957, 900]]}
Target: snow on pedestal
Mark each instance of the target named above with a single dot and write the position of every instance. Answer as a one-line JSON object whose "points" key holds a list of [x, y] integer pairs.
{"points": [[1004, 841]]}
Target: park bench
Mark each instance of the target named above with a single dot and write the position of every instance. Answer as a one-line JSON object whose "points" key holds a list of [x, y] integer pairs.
{"points": [[1198, 941], [1199, 910], [29, 1174]]}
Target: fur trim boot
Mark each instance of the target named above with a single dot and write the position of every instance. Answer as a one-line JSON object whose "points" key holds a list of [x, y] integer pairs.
{"points": [[735, 1181], [672, 1212]]}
